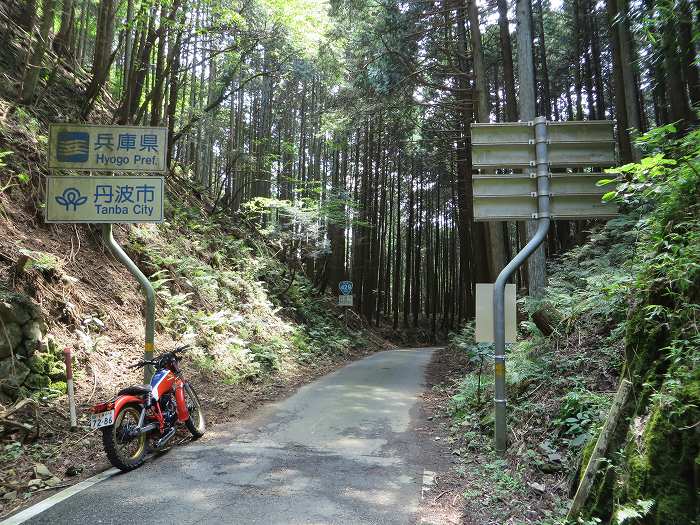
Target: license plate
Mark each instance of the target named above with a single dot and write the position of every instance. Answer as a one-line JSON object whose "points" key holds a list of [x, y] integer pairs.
{"points": [[102, 419]]}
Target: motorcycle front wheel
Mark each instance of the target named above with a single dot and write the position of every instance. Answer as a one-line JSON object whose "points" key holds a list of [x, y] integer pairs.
{"points": [[125, 452], [196, 423]]}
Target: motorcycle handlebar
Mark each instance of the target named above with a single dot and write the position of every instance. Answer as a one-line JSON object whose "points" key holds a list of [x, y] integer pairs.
{"points": [[142, 363], [155, 362]]}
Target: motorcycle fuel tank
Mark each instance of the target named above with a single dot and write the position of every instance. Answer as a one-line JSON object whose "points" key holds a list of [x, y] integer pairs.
{"points": [[162, 382]]}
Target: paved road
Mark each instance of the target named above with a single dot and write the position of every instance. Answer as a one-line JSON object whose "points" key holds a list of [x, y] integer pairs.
{"points": [[340, 451]]}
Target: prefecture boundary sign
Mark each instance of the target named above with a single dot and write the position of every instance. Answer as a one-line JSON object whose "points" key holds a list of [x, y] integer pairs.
{"points": [[107, 148], [132, 199]]}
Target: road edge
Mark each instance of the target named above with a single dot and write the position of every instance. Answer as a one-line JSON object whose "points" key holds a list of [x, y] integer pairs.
{"points": [[49, 502]]}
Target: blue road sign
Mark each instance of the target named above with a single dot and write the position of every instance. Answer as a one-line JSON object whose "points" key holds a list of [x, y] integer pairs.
{"points": [[107, 148], [128, 199], [345, 287]]}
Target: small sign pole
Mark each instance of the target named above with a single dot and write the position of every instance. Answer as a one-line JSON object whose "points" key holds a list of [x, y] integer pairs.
{"points": [[345, 299], [68, 357], [499, 288], [148, 291]]}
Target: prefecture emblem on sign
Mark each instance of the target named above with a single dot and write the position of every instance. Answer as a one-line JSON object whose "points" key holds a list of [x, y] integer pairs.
{"points": [[71, 197], [72, 146], [345, 287]]}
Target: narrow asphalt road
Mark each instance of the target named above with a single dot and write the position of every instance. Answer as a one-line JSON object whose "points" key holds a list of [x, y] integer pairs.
{"points": [[339, 451]]}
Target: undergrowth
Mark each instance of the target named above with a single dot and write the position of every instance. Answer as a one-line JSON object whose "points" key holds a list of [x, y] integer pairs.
{"points": [[229, 298], [624, 303]]}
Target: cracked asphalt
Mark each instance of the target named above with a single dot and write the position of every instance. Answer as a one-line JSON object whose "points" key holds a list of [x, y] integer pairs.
{"points": [[342, 450]]}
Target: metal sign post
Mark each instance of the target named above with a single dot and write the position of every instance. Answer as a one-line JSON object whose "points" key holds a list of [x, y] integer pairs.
{"points": [[500, 285], [108, 200], [148, 291], [572, 195]]}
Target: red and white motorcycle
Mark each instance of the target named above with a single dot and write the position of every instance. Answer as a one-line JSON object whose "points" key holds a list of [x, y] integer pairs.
{"points": [[142, 415]]}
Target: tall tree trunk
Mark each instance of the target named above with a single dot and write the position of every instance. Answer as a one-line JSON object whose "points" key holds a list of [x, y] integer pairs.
{"points": [[596, 59], [526, 68], [546, 106], [578, 81], [397, 247], [41, 44], [675, 89], [494, 230], [102, 58], [64, 38], [688, 50], [624, 137], [471, 239], [511, 106]]}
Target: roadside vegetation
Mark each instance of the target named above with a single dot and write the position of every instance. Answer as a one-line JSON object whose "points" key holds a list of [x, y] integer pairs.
{"points": [[256, 327], [623, 305]]}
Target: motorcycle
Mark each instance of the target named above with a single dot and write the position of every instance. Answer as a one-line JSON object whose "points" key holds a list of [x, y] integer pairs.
{"points": [[142, 415]]}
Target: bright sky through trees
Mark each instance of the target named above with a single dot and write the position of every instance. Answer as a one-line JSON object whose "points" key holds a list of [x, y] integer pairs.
{"points": [[307, 20]]}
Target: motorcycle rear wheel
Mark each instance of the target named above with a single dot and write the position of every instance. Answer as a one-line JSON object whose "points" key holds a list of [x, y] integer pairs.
{"points": [[125, 454], [196, 423]]}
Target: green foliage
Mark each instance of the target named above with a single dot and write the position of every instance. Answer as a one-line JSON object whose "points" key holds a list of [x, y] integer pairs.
{"points": [[306, 20], [224, 294], [579, 413], [657, 463], [631, 512], [42, 261], [14, 179]]}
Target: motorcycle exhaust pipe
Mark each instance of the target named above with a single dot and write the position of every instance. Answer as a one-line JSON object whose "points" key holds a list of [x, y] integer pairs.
{"points": [[148, 428], [164, 440]]}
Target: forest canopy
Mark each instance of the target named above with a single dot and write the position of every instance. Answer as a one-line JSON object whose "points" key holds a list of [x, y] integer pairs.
{"points": [[342, 127]]}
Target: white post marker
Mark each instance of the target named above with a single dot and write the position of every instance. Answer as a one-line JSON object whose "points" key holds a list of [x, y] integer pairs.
{"points": [[483, 332], [345, 300], [67, 354]]}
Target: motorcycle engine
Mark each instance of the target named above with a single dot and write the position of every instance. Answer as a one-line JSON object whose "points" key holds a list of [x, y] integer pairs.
{"points": [[167, 405]]}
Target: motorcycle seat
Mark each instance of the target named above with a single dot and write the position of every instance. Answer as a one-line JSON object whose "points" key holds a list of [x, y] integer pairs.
{"points": [[135, 390]]}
